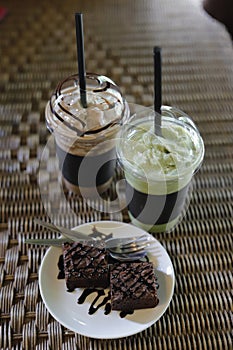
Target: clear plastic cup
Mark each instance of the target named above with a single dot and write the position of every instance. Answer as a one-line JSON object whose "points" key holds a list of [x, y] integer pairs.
{"points": [[158, 170], [85, 137]]}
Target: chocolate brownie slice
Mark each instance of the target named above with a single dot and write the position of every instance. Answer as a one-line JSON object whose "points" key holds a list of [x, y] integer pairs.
{"points": [[133, 286], [85, 265]]}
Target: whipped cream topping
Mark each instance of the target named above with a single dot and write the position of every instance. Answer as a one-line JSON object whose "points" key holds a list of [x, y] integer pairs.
{"points": [[178, 150], [105, 106]]}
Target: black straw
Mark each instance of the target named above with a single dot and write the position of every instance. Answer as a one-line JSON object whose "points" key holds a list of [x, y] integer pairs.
{"points": [[157, 89], [81, 58]]}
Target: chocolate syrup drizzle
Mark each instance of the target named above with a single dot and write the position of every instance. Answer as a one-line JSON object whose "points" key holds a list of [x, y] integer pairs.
{"points": [[58, 92], [96, 303], [94, 307]]}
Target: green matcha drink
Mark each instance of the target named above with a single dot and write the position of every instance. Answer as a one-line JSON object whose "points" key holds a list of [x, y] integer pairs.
{"points": [[158, 170]]}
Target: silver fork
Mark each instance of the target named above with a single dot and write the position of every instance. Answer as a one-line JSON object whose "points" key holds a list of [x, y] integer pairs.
{"points": [[123, 249]]}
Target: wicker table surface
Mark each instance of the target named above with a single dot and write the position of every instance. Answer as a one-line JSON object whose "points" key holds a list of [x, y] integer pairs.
{"points": [[37, 49]]}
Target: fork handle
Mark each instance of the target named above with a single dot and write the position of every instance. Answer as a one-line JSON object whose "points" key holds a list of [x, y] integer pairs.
{"points": [[72, 234], [56, 242]]}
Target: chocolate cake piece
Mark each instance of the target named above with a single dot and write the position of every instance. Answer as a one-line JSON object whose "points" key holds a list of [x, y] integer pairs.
{"points": [[133, 286], [85, 265]]}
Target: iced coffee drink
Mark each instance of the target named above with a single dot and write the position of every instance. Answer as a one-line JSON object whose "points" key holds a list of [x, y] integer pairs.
{"points": [[85, 137], [158, 169]]}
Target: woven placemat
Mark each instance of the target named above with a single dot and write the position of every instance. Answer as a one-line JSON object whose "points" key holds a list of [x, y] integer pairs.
{"points": [[37, 49]]}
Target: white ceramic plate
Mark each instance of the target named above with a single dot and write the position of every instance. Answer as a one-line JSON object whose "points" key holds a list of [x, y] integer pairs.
{"points": [[63, 305]]}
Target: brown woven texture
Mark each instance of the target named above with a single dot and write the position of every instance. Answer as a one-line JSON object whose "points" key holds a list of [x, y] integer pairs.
{"points": [[37, 49]]}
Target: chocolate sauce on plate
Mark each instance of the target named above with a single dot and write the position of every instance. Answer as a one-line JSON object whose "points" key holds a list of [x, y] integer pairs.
{"points": [[101, 297], [94, 306]]}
